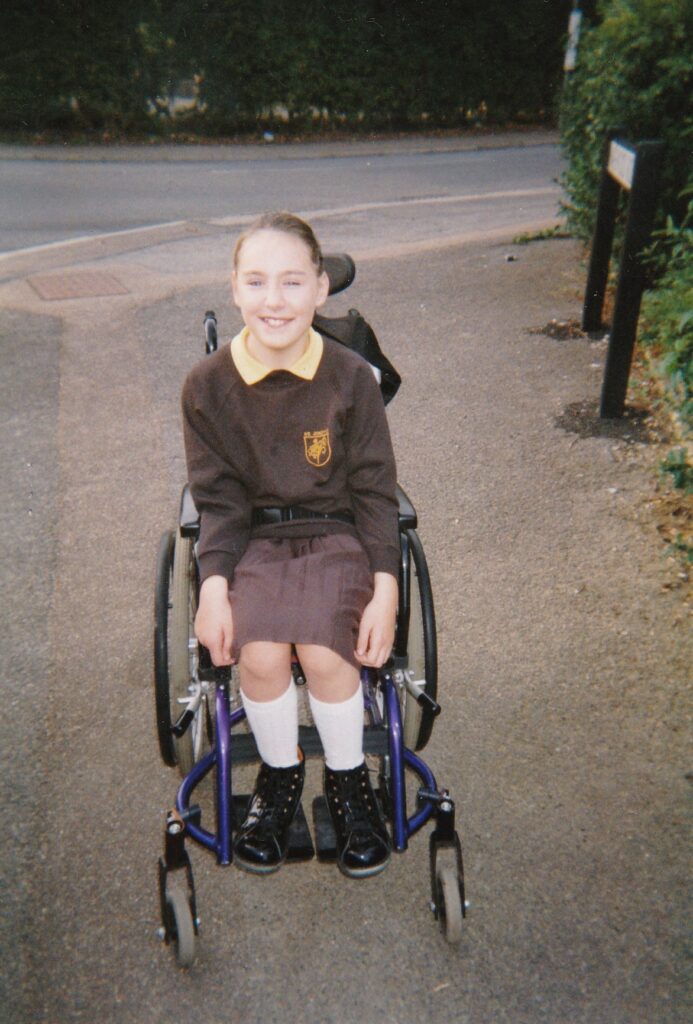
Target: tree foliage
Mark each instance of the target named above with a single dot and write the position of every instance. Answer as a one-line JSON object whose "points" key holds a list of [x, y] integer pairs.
{"points": [[667, 315], [634, 72], [320, 63], [80, 63]]}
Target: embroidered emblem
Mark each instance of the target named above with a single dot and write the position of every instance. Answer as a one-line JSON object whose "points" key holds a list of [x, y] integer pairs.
{"points": [[317, 447]]}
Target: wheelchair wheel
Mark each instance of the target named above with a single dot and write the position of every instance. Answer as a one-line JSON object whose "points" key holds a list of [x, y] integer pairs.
{"points": [[164, 568], [183, 654], [176, 652], [422, 653]]}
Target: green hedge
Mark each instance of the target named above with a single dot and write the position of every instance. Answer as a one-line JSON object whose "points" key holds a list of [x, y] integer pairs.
{"points": [[634, 72], [378, 63], [83, 64], [666, 328]]}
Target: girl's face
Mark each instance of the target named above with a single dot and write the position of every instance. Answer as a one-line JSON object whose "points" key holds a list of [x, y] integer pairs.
{"points": [[277, 289]]}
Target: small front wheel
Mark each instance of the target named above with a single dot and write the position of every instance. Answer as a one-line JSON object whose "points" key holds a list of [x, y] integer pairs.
{"points": [[449, 904], [181, 927]]}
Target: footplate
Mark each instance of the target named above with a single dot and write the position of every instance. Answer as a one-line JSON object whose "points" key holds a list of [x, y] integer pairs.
{"points": [[325, 836], [300, 842]]}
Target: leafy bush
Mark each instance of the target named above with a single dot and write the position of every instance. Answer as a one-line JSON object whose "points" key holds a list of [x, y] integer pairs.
{"points": [[634, 72], [678, 466], [275, 63], [666, 327], [80, 64]]}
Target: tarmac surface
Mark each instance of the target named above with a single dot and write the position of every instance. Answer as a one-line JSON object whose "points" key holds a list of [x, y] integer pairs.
{"points": [[564, 652]]}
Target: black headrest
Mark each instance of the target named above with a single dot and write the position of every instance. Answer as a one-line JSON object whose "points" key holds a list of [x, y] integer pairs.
{"points": [[341, 271]]}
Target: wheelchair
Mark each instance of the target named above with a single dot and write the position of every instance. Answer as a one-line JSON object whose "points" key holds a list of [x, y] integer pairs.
{"points": [[199, 715]]}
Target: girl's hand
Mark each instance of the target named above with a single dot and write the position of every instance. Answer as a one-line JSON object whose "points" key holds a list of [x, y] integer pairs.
{"points": [[377, 628], [213, 622]]}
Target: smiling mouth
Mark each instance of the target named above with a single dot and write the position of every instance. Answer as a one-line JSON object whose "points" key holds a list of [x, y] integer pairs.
{"points": [[274, 321]]}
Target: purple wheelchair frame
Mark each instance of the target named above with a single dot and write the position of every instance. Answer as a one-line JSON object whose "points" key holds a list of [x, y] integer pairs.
{"points": [[400, 757]]}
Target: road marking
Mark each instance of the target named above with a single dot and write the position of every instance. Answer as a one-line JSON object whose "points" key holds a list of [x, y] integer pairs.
{"points": [[81, 239], [321, 214], [341, 211], [397, 250]]}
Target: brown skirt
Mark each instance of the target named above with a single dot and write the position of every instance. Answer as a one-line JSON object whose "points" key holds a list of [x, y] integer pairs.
{"points": [[309, 590]]}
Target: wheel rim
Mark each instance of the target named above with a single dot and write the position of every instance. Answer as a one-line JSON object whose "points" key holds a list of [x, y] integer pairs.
{"points": [[161, 660], [421, 647], [183, 652], [412, 712]]}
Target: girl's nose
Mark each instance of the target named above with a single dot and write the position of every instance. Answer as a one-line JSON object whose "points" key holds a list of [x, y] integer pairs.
{"points": [[274, 297]]}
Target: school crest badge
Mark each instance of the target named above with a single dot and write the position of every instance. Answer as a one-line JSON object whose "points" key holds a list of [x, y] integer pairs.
{"points": [[317, 447]]}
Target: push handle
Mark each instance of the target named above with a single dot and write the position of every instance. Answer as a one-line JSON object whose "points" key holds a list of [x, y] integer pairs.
{"points": [[210, 322]]}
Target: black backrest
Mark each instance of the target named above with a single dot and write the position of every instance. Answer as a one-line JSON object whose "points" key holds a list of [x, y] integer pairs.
{"points": [[354, 332]]}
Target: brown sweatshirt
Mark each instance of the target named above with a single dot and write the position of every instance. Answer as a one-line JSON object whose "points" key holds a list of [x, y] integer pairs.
{"points": [[322, 443]]}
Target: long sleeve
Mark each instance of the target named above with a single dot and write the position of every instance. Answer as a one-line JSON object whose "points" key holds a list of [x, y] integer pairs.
{"points": [[372, 477], [218, 492]]}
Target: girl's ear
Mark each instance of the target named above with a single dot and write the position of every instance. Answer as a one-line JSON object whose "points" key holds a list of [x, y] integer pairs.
{"points": [[323, 289]]}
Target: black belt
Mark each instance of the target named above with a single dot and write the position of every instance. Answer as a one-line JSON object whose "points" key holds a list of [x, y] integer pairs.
{"points": [[287, 513]]}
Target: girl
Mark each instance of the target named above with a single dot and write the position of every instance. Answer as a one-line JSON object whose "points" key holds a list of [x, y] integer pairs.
{"points": [[291, 467]]}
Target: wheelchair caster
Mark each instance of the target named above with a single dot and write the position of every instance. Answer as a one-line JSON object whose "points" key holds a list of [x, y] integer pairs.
{"points": [[179, 920], [447, 872], [449, 903], [180, 927]]}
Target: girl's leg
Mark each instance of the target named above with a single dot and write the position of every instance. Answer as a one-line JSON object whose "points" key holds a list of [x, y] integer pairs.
{"points": [[271, 707], [336, 701], [268, 693]]}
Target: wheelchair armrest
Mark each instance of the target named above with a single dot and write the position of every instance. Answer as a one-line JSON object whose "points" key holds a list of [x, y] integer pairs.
{"points": [[189, 517], [407, 512]]}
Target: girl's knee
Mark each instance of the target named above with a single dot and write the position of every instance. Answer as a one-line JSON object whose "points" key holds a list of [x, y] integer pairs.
{"points": [[329, 676], [265, 664], [317, 661]]}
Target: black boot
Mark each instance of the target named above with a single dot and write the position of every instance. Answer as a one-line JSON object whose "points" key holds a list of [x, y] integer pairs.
{"points": [[363, 845], [262, 842]]}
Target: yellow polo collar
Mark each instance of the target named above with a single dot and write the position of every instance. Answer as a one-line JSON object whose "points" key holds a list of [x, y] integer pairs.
{"points": [[252, 370]]}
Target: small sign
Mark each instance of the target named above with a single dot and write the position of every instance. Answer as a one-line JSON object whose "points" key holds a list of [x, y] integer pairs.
{"points": [[571, 50], [621, 165]]}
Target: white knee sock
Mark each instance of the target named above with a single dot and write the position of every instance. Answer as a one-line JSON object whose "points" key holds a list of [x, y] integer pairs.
{"points": [[341, 730], [274, 724]]}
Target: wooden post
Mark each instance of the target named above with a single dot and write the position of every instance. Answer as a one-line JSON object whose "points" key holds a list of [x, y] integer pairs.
{"points": [[639, 222], [601, 243]]}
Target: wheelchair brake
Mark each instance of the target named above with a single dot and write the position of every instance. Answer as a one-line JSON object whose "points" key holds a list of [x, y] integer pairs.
{"points": [[192, 705], [416, 687]]}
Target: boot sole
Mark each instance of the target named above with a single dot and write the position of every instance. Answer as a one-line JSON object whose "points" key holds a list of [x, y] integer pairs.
{"points": [[363, 872], [256, 869]]}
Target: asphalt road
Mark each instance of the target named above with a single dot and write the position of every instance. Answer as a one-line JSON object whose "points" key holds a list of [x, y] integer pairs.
{"points": [[46, 197], [564, 656]]}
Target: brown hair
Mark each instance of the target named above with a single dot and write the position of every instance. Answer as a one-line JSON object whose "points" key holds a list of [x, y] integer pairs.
{"points": [[291, 225]]}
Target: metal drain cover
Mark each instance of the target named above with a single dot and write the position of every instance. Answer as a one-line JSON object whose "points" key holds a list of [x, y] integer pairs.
{"points": [[81, 284]]}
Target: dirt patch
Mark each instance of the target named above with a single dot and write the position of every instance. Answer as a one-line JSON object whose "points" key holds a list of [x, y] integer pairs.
{"points": [[563, 330], [582, 418]]}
